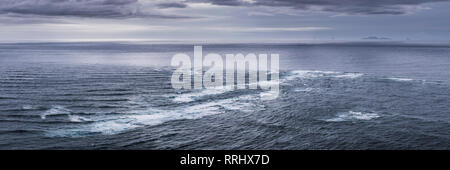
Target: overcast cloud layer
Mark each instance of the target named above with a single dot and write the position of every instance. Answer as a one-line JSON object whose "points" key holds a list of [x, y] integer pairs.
{"points": [[368, 7], [134, 8], [224, 19]]}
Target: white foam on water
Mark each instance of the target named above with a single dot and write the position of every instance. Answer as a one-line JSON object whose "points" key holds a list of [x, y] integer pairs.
{"points": [[109, 124], [76, 118], [183, 98], [106, 127], [55, 110], [265, 83], [352, 115], [189, 97], [242, 103], [309, 74], [308, 89], [27, 107], [192, 96], [400, 79], [349, 75]]}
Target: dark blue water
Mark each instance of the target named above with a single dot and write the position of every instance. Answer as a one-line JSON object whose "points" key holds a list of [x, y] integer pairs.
{"points": [[119, 96]]}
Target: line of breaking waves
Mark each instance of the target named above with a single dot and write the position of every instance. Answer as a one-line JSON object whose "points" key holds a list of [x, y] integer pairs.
{"points": [[192, 104], [127, 108]]}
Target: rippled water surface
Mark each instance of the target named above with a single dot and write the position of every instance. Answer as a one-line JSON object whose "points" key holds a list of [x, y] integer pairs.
{"points": [[119, 96]]}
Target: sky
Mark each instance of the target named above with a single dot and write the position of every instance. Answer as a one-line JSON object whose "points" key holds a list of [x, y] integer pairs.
{"points": [[225, 20]]}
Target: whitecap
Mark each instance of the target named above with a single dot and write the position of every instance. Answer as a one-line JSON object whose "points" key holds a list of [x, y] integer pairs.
{"points": [[242, 103], [352, 115], [400, 79], [55, 110], [349, 75], [109, 127], [189, 97], [109, 124], [27, 107], [76, 118], [308, 74]]}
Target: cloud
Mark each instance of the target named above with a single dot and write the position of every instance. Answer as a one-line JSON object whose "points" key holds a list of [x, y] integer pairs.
{"points": [[351, 7], [255, 13], [222, 2], [171, 5], [267, 29], [151, 9], [81, 8]]}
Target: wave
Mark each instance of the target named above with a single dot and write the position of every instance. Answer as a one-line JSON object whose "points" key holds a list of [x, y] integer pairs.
{"points": [[61, 110], [193, 96], [308, 89], [309, 74], [18, 131], [349, 75], [76, 118], [8, 98], [352, 115], [189, 97], [400, 79], [55, 110], [24, 108], [113, 124], [23, 116], [306, 74], [27, 107]]}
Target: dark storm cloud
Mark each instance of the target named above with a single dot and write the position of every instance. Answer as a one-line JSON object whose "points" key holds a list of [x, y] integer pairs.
{"points": [[171, 5], [368, 7], [79, 8], [226, 2]]}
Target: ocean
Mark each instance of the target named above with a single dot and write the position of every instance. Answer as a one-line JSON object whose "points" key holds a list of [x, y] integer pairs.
{"points": [[118, 95]]}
